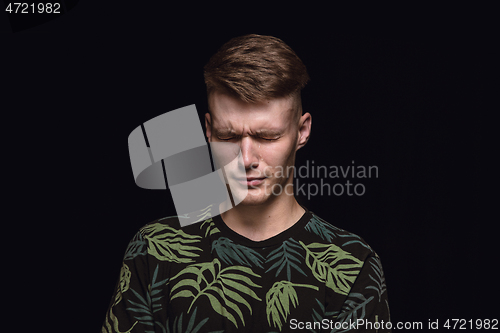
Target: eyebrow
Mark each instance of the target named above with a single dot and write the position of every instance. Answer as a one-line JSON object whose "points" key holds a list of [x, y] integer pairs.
{"points": [[260, 132], [225, 131], [268, 132]]}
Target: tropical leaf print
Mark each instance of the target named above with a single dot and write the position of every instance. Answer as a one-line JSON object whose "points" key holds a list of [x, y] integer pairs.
{"points": [[145, 307], [136, 247], [286, 256], [318, 317], [124, 283], [379, 279], [278, 300], [332, 265], [354, 308], [196, 216], [112, 327], [327, 232], [211, 228], [228, 251], [169, 244], [205, 213], [154, 289], [178, 325], [322, 229], [142, 308], [222, 287], [357, 241]]}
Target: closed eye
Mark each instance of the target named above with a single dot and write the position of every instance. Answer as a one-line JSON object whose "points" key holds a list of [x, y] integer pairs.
{"points": [[234, 138], [269, 138]]}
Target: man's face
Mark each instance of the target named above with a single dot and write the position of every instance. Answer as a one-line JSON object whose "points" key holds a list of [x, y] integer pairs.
{"points": [[268, 134]]}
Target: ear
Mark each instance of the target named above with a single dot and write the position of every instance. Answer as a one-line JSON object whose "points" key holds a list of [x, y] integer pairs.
{"points": [[305, 123], [208, 126]]}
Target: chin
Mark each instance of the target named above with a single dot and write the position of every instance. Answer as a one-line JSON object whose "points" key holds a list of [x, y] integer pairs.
{"points": [[249, 203], [254, 199]]}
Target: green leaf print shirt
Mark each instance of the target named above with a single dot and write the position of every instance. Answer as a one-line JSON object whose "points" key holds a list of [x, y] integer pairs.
{"points": [[204, 277]]}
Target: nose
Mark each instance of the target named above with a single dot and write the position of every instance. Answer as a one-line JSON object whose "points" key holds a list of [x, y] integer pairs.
{"points": [[249, 153]]}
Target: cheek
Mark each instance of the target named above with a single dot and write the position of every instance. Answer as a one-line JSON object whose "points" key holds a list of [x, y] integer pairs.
{"points": [[277, 157]]}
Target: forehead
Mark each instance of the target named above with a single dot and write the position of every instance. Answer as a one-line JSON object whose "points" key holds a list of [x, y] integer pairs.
{"points": [[229, 112]]}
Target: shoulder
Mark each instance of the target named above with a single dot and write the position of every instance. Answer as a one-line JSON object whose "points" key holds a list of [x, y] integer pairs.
{"points": [[167, 241], [179, 227], [190, 224], [151, 232], [340, 238], [172, 225], [171, 222]]}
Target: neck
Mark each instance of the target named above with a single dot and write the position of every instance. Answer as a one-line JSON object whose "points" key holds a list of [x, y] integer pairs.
{"points": [[260, 222]]}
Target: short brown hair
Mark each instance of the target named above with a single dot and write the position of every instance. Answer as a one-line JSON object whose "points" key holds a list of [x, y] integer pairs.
{"points": [[256, 68]]}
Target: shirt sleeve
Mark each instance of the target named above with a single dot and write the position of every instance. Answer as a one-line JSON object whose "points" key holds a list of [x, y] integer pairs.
{"points": [[366, 307], [130, 308]]}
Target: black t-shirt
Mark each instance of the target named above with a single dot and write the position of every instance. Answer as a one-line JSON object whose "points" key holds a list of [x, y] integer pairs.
{"points": [[204, 277]]}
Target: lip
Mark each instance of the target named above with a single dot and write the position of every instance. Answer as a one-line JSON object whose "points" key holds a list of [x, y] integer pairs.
{"points": [[251, 181]]}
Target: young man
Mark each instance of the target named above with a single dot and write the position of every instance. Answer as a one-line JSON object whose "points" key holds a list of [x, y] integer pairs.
{"points": [[268, 264]]}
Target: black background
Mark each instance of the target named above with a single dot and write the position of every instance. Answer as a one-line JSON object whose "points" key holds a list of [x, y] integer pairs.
{"points": [[400, 91]]}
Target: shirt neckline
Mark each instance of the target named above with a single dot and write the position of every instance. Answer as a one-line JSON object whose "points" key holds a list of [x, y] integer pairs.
{"points": [[277, 239]]}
